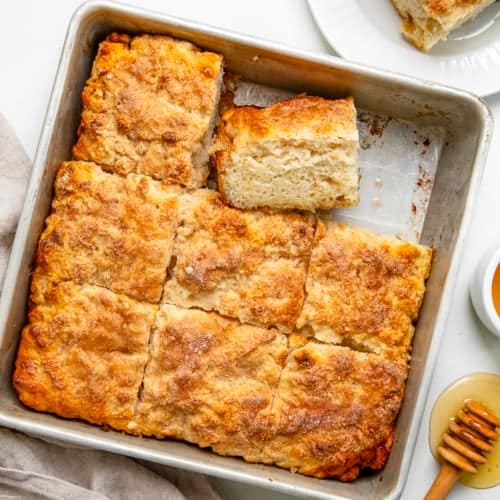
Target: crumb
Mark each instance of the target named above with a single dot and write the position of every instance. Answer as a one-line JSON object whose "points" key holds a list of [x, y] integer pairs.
{"points": [[379, 125], [365, 144]]}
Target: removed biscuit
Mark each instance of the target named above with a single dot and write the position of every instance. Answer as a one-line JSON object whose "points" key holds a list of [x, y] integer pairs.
{"points": [[210, 381], [249, 265], [110, 231], [364, 290], [334, 412], [300, 153], [83, 353], [149, 107], [426, 22]]}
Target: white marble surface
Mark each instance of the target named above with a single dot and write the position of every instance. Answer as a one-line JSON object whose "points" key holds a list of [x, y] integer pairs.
{"points": [[31, 36]]}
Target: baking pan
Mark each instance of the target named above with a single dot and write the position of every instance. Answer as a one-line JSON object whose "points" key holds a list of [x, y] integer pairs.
{"points": [[464, 121]]}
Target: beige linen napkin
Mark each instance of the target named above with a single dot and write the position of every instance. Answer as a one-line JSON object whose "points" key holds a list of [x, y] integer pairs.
{"points": [[15, 168], [34, 469]]}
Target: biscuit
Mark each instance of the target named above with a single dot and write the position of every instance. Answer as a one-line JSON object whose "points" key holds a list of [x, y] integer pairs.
{"points": [[301, 153], [248, 265], [210, 381], [83, 352], [364, 290], [334, 412], [426, 22], [109, 231], [149, 107]]}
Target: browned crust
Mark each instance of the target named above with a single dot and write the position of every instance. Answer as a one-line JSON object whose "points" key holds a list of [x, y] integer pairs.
{"points": [[364, 289], [334, 412], [109, 231], [210, 381], [83, 352], [221, 153], [439, 7], [249, 265], [320, 116], [139, 115]]}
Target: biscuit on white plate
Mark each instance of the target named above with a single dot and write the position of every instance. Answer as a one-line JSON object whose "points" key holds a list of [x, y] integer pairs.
{"points": [[426, 22]]}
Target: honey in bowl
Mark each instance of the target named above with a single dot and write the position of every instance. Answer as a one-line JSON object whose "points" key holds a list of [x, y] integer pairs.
{"points": [[485, 389], [495, 290]]}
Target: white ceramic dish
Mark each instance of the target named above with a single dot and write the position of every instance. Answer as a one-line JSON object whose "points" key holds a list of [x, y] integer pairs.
{"points": [[368, 31], [481, 290]]}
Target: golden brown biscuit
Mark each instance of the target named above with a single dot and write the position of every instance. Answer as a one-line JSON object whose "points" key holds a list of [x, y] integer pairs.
{"points": [[299, 153], [248, 265], [110, 231], [83, 353], [426, 22], [364, 290], [334, 411], [149, 107], [210, 381]]}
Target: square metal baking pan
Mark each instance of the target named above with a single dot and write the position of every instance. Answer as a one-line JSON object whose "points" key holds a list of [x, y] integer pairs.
{"points": [[468, 125]]}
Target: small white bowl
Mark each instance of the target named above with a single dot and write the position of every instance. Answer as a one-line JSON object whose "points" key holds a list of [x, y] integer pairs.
{"points": [[481, 290]]}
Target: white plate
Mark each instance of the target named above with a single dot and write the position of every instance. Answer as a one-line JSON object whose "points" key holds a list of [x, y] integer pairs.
{"points": [[367, 31]]}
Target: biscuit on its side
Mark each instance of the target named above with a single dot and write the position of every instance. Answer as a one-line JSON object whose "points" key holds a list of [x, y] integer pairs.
{"points": [[300, 153], [426, 22], [149, 107]]}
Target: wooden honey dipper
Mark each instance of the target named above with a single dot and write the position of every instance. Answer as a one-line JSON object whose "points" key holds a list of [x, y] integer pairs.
{"points": [[468, 439]]}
